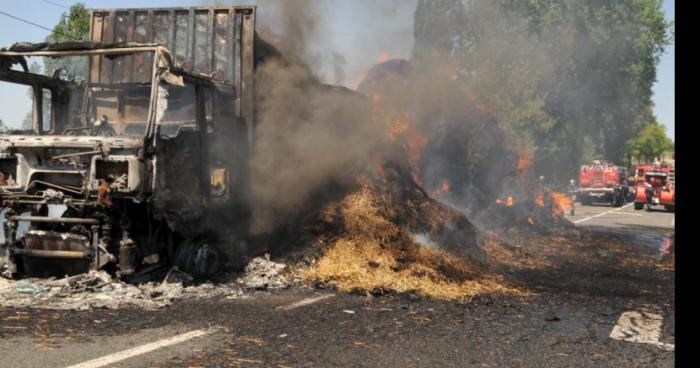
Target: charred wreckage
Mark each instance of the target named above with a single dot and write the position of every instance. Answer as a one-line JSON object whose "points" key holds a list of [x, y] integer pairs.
{"points": [[137, 149]]}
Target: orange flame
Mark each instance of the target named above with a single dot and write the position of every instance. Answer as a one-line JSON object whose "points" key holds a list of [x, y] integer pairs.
{"points": [[524, 162], [508, 202], [379, 167], [560, 203], [398, 127], [442, 190], [539, 199], [383, 56], [529, 219], [415, 145]]}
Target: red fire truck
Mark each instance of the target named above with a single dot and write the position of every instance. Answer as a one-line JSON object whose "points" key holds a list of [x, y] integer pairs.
{"points": [[655, 186], [602, 182]]}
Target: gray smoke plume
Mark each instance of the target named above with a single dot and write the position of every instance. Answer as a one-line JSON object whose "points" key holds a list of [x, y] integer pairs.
{"points": [[313, 140], [309, 137], [312, 137]]}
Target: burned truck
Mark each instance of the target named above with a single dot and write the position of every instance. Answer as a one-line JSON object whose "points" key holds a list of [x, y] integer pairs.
{"points": [[137, 146]]}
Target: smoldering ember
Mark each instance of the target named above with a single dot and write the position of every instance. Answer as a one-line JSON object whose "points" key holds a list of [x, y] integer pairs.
{"points": [[337, 184]]}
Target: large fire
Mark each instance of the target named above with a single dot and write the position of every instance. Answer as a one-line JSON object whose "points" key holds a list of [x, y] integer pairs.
{"points": [[401, 130]]}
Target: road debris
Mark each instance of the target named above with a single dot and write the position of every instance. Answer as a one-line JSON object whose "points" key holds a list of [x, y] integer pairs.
{"points": [[262, 273], [97, 289]]}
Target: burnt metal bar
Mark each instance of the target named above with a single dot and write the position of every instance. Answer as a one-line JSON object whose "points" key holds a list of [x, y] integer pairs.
{"points": [[67, 254], [64, 220], [97, 152], [130, 60], [211, 27], [96, 28], [191, 39], [248, 70], [82, 52]]}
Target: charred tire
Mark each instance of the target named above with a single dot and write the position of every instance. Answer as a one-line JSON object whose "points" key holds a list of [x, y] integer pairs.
{"points": [[197, 257], [638, 206]]}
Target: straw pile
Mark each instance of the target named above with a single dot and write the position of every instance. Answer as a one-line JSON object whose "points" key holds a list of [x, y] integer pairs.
{"points": [[375, 249]]}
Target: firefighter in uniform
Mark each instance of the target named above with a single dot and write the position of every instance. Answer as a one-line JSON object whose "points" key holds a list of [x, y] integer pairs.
{"points": [[649, 192], [572, 193]]}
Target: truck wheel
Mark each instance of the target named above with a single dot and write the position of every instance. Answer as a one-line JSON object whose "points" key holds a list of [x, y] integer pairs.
{"points": [[619, 201], [638, 206], [197, 258], [671, 208]]}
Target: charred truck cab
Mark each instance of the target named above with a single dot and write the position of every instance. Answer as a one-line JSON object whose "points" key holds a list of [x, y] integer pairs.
{"points": [[136, 154]]}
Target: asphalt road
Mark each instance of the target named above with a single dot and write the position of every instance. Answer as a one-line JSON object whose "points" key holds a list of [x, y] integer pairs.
{"points": [[625, 217], [603, 314]]}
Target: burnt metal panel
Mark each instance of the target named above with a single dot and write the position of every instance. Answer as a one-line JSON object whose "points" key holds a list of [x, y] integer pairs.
{"points": [[216, 41]]}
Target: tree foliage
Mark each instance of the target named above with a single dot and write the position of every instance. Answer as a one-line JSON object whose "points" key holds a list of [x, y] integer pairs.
{"points": [[651, 143], [569, 77], [73, 26]]}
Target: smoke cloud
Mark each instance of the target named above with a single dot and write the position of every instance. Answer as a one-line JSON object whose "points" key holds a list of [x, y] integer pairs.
{"points": [[312, 137], [309, 138], [455, 94]]}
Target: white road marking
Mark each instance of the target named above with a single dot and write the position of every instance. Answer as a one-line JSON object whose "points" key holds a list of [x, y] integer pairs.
{"points": [[143, 349], [305, 302], [640, 327], [601, 214], [631, 214]]}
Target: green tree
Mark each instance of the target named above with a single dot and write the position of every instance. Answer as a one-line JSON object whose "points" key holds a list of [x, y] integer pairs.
{"points": [[73, 26], [439, 29], [651, 143], [573, 77]]}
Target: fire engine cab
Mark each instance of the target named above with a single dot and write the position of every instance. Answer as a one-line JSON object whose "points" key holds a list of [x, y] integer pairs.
{"points": [[655, 186], [602, 182]]}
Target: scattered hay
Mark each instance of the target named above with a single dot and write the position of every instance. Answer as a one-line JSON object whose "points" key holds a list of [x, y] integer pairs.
{"points": [[376, 255], [514, 256], [351, 265]]}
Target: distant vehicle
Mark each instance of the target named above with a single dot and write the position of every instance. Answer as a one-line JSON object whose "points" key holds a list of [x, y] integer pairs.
{"points": [[603, 182], [655, 186]]}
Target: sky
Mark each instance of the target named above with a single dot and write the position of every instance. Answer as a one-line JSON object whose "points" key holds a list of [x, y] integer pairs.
{"points": [[345, 27]]}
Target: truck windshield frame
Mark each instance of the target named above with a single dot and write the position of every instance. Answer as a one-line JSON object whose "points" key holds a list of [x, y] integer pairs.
{"points": [[99, 104]]}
